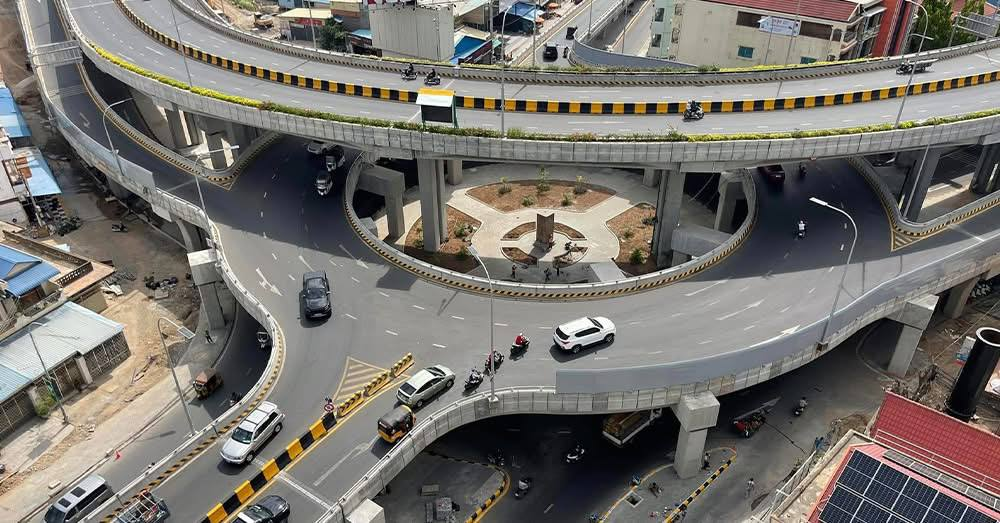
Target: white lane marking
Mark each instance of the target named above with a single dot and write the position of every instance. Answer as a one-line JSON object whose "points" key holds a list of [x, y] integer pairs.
{"points": [[501, 325], [543, 327], [828, 271], [842, 247], [359, 262], [969, 234], [266, 284], [418, 307], [335, 264], [548, 508], [383, 294], [350, 316], [86, 122], [265, 195], [634, 322], [154, 50], [598, 358], [390, 333], [748, 327], [290, 277], [304, 262], [355, 279], [438, 345], [676, 314], [786, 255], [287, 479], [784, 310], [748, 307], [655, 352], [703, 289], [261, 214], [812, 290], [357, 450], [458, 318], [704, 342], [275, 256]]}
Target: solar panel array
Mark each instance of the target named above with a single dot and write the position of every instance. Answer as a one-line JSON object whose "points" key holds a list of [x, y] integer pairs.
{"points": [[869, 491]]}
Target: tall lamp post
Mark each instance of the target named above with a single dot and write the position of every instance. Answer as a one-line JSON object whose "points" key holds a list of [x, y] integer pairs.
{"points": [[791, 41], [920, 47], [45, 368], [187, 335], [104, 120], [197, 179], [847, 264], [177, 30], [493, 370], [503, 71], [312, 26]]}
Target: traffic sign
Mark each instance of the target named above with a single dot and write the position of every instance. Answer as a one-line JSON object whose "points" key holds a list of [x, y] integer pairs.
{"points": [[781, 26]]}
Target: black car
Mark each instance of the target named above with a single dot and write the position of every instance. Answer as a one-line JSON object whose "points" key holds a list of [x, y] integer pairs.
{"points": [[316, 295], [774, 174], [270, 509], [551, 52]]}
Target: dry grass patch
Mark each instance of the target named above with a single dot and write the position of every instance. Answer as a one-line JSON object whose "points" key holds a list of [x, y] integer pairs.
{"points": [[454, 253], [524, 191], [634, 229]]}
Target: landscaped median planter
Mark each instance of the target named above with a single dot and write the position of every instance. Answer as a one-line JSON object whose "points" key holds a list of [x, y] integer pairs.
{"points": [[454, 253], [634, 229], [507, 196]]}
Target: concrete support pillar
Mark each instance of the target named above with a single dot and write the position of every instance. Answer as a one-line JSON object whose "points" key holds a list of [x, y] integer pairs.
{"points": [[204, 275], [985, 179], [651, 177], [454, 172], [432, 211], [175, 123], [81, 364], [241, 135], [216, 142], [957, 297], [697, 413], [914, 317], [678, 257], [391, 185], [194, 239], [118, 190], [367, 512], [915, 188], [730, 192], [193, 132], [668, 214]]}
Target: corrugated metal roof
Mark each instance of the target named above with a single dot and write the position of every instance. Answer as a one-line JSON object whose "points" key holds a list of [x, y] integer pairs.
{"points": [[22, 271], [837, 10], [65, 332], [40, 179], [10, 115], [11, 381]]}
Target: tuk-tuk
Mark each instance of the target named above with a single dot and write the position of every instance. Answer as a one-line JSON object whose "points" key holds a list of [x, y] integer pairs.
{"points": [[396, 423], [206, 382]]}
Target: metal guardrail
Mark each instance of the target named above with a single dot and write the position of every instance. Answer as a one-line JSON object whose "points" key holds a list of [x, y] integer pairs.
{"points": [[575, 78]]}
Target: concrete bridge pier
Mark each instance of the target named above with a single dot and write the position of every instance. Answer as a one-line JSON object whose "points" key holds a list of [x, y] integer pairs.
{"points": [[957, 297], [651, 176], [697, 413], [730, 192], [668, 215], [986, 180], [914, 317], [430, 178], [390, 185], [194, 238], [923, 164], [118, 190], [454, 175], [205, 277]]}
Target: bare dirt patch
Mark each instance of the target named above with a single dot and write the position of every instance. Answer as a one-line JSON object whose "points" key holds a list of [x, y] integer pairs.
{"points": [[516, 255], [453, 253], [633, 234], [527, 227], [550, 199]]}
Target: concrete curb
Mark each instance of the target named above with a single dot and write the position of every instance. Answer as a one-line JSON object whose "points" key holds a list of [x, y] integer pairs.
{"points": [[701, 488]]}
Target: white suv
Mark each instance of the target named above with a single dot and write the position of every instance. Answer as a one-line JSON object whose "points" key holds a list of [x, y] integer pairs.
{"points": [[252, 433], [580, 333], [424, 385]]}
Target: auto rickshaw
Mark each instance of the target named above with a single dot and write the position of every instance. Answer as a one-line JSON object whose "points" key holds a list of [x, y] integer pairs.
{"points": [[396, 423], [206, 382]]}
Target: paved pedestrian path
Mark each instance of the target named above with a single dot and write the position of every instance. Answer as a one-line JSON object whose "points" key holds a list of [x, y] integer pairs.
{"points": [[601, 243]]}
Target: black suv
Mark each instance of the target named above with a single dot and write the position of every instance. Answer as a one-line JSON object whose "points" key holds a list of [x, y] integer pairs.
{"points": [[551, 52], [316, 295]]}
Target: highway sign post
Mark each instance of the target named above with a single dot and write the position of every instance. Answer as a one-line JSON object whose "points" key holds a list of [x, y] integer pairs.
{"points": [[437, 105]]}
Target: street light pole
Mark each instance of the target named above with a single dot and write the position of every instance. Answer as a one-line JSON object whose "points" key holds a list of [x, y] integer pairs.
{"points": [[791, 41], [913, 68], [104, 120], [188, 335], [197, 179], [503, 72], [847, 264], [48, 374], [493, 370], [312, 26], [177, 29]]}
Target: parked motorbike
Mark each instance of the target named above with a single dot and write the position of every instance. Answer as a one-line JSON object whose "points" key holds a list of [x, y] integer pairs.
{"points": [[499, 360], [119, 227], [749, 425], [523, 486], [575, 455], [496, 458], [475, 378]]}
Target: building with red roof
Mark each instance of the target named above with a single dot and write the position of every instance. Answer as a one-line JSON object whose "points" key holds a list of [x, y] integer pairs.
{"points": [[733, 33]]}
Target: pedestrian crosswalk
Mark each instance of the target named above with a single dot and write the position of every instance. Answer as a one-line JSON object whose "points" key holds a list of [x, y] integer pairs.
{"points": [[356, 375]]}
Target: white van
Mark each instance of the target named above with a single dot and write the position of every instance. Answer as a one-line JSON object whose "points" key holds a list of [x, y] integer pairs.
{"points": [[80, 501]]}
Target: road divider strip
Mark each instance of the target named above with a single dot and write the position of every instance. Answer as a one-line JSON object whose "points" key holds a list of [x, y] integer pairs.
{"points": [[673, 516], [377, 383], [318, 430], [561, 107], [400, 366]]}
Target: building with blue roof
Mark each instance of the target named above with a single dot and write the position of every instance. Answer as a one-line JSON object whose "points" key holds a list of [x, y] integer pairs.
{"points": [[11, 119], [25, 277]]}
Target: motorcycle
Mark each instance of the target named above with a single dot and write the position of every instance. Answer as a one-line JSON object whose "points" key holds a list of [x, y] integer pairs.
{"points": [[496, 364], [799, 408], [496, 458], [748, 425], [475, 378], [432, 80], [576, 454], [523, 486], [519, 349], [119, 227], [409, 75], [800, 232], [802, 170], [693, 113]]}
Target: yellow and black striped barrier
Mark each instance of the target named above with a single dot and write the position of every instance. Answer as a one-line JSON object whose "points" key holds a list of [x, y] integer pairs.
{"points": [[377, 383], [564, 107], [400, 366], [350, 403], [673, 516]]}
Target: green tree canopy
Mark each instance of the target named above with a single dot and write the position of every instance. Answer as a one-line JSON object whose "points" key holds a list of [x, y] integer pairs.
{"points": [[940, 24], [332, 36]]}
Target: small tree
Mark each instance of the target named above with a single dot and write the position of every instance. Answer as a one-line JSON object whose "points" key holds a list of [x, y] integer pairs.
{"points": [[628, 234], [332, 36], [504, 186], [580, 187], [567, 199], [649, 220], [637, 257], [463, 252], [527, 201], [543, 181]]}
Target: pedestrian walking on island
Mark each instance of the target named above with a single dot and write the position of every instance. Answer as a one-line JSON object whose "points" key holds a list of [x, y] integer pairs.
{"points": [[208, 336], [704, 462], [750, 487], [513, 271], [557, 269], [548, 274]]}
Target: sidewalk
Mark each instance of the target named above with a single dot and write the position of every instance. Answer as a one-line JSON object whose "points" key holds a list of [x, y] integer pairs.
{"points": [[36, 456]]}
